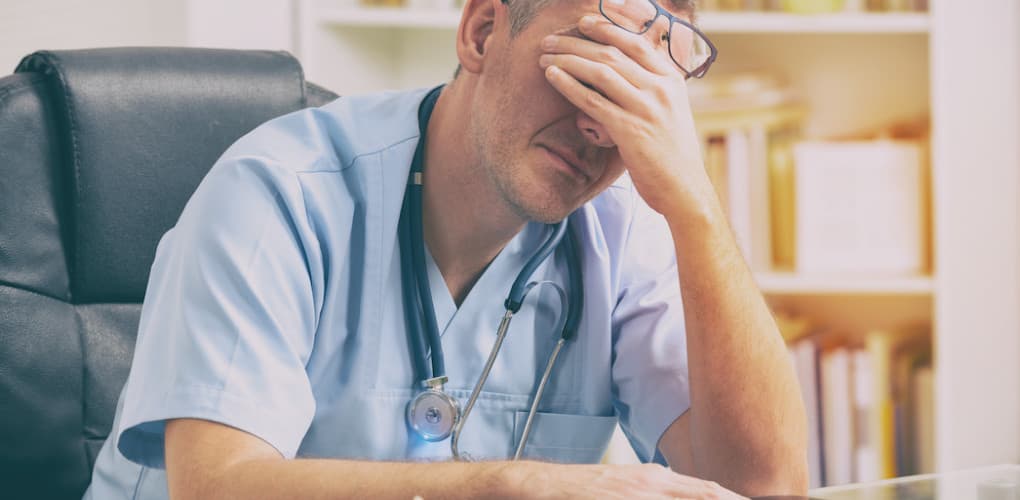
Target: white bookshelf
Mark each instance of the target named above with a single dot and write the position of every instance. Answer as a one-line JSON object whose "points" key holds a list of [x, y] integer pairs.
{"points": [[960, 65]]}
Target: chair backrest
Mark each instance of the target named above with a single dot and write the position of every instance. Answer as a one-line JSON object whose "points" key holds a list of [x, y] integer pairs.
{"points": [[99, 151]]}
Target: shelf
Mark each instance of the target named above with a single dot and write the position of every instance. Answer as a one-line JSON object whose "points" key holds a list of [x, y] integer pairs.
{"points": [[780, 283], [390, 17], [711, 22], [719, 122], [779, 23]]}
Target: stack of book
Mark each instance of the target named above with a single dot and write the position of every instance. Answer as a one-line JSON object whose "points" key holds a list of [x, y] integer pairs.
{"points": [[869, 403]]}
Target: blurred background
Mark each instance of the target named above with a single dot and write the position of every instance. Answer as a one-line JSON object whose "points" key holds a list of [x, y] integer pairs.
{"points": [[866, 151]]}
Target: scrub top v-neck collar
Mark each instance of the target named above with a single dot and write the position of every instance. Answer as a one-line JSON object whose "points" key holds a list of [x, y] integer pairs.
{"points": [[502, 270]]}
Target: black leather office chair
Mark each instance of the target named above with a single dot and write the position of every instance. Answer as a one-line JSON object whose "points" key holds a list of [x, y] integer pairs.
{"points": [[99, 151]]}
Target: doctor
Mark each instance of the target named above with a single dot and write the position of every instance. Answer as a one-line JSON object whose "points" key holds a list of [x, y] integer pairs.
{"points": [[338, 263]]}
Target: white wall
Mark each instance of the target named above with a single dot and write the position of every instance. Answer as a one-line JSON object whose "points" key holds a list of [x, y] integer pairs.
{"points": [[976, 180], [30, 25], [241, 24]]}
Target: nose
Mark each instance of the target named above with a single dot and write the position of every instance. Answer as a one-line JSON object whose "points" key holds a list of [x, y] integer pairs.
{"points": [[593, 131]]}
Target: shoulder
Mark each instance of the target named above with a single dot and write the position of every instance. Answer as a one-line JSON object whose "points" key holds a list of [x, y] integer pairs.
{"points": [[332, 137], [317, 164]]}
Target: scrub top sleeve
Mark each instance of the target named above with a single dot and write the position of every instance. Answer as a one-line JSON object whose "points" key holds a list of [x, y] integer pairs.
{"points": [[649, 371], [229, 315]]}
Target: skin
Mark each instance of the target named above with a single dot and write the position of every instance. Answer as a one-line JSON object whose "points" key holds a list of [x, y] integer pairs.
{"points": [[524, 105]]}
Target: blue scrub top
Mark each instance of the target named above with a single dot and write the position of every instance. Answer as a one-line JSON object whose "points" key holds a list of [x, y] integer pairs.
{"points": [[274, 306]]}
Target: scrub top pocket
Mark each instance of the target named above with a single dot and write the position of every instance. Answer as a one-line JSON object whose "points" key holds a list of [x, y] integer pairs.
{"points": [[566, 438]]}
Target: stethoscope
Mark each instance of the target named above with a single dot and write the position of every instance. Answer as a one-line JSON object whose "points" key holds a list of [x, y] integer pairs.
{"points": [[433, 414]]}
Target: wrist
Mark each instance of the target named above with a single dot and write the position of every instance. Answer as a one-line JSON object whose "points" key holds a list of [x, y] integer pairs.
{"points": [[681, 193], [523, 479], [508, 479], [699, 212]]}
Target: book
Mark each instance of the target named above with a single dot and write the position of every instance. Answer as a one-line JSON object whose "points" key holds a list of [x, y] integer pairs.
{"points": [[923, 418], [759, 197], [866, 454], [715, 167], [738, 163], [805, 360], [908, 355], [859, 207], [837, 416], [879, 345], [782, 202]]}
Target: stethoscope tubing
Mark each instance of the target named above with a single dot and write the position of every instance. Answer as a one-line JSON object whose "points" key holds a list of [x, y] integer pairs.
{"points": [[517, 291], [412, 307], [538, 398], [423, 332], [424, 293], [504, 325]]}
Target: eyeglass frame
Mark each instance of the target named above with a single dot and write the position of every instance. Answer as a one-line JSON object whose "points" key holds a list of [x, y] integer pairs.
{"points": [[698, 72]]}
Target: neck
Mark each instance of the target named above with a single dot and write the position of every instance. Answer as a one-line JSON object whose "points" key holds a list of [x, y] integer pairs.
{"points": [[465, 221]]}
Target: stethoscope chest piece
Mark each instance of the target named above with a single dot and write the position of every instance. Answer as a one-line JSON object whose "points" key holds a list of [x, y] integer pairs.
{"points": [[432, 414]]}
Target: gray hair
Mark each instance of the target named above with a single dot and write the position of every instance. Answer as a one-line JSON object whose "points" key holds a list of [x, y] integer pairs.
{"points": [[522, 12]]}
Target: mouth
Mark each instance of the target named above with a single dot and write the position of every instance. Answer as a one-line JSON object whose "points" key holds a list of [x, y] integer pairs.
{"points": [[567, 162]]}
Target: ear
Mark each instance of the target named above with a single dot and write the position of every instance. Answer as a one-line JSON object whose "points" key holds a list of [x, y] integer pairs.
{"points": [[475, 32]]}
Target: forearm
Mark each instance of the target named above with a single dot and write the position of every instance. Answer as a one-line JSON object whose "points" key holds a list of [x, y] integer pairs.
{"points": [[748, 426], [335, 479]]}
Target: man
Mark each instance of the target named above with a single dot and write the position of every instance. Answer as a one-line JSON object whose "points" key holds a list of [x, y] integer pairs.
{"points": [[273, 325]]}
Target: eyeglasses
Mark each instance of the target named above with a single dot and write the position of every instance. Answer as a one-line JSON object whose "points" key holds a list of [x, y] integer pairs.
{"points": [[689, 48]]}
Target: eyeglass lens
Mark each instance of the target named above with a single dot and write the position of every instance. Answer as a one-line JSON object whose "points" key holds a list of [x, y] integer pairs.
{"points": [[687, 48]]}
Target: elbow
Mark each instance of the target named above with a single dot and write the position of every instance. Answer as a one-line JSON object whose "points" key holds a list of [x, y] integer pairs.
{"points": [[779, 479], [767, 478], [769, 463], [779, 470]]}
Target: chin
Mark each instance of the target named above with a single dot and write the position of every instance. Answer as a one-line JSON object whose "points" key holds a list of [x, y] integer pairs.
{"points": [[548, 211], [549, 218], [548, 199]]}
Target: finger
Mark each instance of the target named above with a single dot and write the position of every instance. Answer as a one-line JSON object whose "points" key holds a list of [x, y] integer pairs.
{"points": [[601, 76], [654, 58], [636, 74], [587, 100]]}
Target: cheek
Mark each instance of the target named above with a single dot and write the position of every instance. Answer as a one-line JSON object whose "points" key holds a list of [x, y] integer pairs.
{"points": [[614, 169]]}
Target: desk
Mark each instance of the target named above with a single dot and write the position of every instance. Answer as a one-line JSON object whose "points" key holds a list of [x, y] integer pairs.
{"points": [[1000, 482]]}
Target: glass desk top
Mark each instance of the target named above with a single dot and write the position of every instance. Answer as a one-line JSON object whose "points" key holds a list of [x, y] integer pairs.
{"points": [[1000, 482]]}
